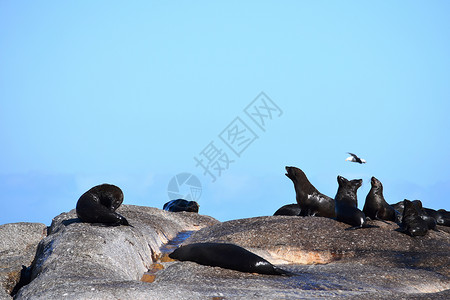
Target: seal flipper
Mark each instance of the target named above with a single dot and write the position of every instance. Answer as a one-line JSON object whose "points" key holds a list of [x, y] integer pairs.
{"points": [[282, 272], [378, 219]]}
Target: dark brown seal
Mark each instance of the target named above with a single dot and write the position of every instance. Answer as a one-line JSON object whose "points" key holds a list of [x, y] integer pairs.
{"points": [[228, 256], [412, 223], [310, 200], [181, 205], [375, 207], [346, 203], [99, 204], [428, 215], [442, 216]]}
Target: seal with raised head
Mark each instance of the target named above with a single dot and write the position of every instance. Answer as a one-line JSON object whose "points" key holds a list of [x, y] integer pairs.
{"points": [[288, 210], [309, 199], [346, 203], [375, 207], [227, 256], [181, 205], [412, 223], [98, 205]]}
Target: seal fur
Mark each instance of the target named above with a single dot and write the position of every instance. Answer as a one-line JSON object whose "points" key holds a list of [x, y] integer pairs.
{"points": [[412, 223], [181, 205], [375, 207], [288, 210], [98, 205], [346, 203]]}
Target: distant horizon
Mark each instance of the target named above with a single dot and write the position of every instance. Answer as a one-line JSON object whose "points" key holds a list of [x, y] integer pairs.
{"points": [[135, 94]]}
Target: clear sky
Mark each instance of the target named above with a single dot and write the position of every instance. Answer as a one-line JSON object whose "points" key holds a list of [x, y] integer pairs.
{"points": [[132, 93]]}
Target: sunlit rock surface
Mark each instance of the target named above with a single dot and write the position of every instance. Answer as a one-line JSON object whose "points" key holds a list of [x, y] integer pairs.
{"points": [[75, 254], [18, 243], [80, 261]]}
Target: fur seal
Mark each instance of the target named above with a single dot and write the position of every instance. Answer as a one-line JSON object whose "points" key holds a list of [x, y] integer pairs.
{"points": [[288, 210], [428, 215], [310, 200], [98, 205], [431, 221], [412, 223], [181, 205], [228, 256], [375, 207], [347, 203], [442, 216]]}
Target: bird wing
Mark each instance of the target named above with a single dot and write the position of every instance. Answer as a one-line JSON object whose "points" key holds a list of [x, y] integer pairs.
{"points": [[354, 155]]}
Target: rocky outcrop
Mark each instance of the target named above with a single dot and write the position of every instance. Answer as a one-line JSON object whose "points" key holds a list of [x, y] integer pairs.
{"points": [[314, 240], [18, 243], [81, 261], [77, 255]]}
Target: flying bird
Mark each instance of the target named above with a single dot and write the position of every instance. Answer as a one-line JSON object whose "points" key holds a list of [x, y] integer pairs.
{"points": [[355, 158]]}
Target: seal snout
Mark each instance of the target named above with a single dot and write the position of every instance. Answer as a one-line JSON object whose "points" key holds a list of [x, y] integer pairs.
{"points": [[288, 171]]}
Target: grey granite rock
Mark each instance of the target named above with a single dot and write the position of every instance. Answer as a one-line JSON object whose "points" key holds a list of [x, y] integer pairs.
{"points": [[80, 261], [18, 243], [77, 254]]}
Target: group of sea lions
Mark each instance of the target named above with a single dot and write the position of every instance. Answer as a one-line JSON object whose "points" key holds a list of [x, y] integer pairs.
{"points": [[412, 218], [99, 204]]}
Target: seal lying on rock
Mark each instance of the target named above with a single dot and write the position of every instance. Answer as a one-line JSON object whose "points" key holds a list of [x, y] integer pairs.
{"points": [[347, 204], [375, 207], [99, 204], [309, 199], [442, 216], [412, 223], [181, 205], [288, 210], [228, 256]]}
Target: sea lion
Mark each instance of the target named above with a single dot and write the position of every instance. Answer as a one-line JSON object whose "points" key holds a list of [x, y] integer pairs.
{"points": [[181, 205], [98, 205], [412, 223], [228, 256], [346, 203], [431, 216], [441, 216], [375, 207], [288, 210], [309, 199], [431, 221]]}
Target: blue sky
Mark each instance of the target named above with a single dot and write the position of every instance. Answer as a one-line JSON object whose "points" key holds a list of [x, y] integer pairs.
{"points": [[129, 93]]}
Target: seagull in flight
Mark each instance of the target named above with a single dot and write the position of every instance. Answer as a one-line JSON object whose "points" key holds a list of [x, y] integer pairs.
{"points": [[355, 158]]}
